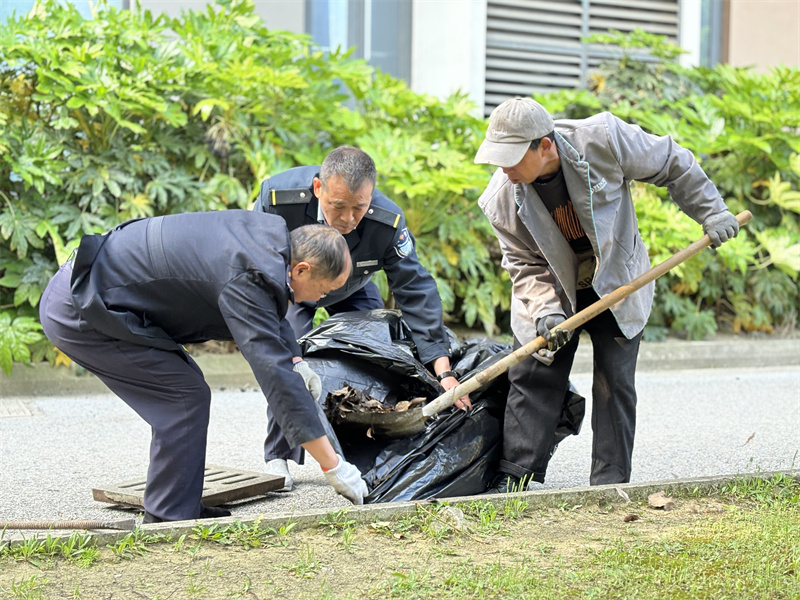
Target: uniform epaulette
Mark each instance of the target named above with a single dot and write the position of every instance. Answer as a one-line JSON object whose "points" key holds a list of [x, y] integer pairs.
{"points": [[382, 215], [296, 196]]}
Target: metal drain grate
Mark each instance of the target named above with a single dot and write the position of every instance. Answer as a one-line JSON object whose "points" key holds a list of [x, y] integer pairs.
{"points": [[220, 485], [10, 407]]}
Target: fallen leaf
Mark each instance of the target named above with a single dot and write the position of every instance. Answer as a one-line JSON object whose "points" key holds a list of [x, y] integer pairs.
{"points": [[630, 518], [624, 496], [402, 406], [750, 438], [369, 434], [659, 500], [381, 524]]}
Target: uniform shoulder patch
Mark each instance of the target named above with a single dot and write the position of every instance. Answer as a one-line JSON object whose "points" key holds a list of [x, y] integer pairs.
{"points": [[382, 215], [405, 243], [295, 196]]}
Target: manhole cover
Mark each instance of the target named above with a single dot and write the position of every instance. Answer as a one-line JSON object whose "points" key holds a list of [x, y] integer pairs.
{"points": [[221, 485], [11, 407]]}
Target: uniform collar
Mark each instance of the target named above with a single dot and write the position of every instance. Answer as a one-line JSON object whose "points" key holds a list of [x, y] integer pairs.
{"points": [[289, 289]]}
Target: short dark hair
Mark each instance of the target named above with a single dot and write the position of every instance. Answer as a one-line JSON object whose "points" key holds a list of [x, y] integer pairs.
{"points": [[535, 143], [355, 167], [322, 247]]}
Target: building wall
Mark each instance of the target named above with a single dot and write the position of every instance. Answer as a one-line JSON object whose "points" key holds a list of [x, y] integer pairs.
{"points": [[448, 47], [690, 31], [276, 14], [763, 33]]}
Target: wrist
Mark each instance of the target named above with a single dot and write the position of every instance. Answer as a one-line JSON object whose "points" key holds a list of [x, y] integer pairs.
{"points": [[446, 374], [330, 467]]}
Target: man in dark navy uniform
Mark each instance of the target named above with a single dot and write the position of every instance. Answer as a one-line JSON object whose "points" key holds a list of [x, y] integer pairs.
{"points": [[341, 193], [135, 294]]}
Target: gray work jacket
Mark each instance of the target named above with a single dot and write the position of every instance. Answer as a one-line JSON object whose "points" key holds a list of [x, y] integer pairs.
{"points": [[599, 157]]}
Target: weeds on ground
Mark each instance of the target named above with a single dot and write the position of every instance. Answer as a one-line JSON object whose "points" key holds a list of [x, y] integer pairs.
{"points": [[780, 489], [750, 551], [77, 548], [747, 546], [242, 534], [306, 565], [336, 521], [753, 553], [29, 588], [135, 544]]}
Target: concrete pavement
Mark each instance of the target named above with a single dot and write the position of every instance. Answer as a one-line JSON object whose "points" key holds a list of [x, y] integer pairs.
{"points": [[62, 434], [231, 371]]}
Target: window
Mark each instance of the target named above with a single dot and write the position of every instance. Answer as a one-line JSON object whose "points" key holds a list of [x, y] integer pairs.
{"points": [[710, 33], [380, 31]]}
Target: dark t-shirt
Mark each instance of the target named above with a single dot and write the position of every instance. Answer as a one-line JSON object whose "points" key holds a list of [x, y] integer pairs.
{"points": [[555, 196]]}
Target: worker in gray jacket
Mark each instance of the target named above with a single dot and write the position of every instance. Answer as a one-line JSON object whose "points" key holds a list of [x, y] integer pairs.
{"points": [[562, 210], [135, 294], [341, 193]]}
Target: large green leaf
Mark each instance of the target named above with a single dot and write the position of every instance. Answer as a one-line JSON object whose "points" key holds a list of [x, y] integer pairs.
{"points": [[15, 335]]}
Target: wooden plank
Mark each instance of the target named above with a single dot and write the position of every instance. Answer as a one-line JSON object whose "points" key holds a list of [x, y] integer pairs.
{"points": [[220, 485]]}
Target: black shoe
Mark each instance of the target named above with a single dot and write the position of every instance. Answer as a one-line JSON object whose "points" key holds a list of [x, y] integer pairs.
{"points": [[206, 512], [148, 518], [504, 483], [213, 512]]}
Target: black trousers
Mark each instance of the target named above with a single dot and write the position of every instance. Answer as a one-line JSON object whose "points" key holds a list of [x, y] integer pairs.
{"points": [[301, 318], [537, 392], [166, 389]]}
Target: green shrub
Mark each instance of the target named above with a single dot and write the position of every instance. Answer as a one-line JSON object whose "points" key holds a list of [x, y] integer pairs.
{"points": [[132, 115]]}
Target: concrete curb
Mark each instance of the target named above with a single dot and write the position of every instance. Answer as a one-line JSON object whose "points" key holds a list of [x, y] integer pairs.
{"points": [[226, 371], [598, 495]]}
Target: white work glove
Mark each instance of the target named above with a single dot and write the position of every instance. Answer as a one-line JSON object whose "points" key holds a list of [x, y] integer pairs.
{"points": [[556, 339], [346, 480], [721, 227], [311, 379]]}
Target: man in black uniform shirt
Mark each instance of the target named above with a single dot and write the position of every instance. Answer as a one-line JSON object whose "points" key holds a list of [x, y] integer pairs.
{"points": [[135, 294], [341, 193]]}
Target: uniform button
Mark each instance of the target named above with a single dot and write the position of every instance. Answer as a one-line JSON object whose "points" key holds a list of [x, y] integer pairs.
{"points": [[366, 272], [302, 194], [370, 211]]}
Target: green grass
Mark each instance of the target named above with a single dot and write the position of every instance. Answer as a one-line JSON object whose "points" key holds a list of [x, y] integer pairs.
{"points": [[751, 553], [745, 546]]}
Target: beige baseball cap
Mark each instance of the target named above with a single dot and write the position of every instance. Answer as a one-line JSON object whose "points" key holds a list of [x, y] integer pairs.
{"points": [[512, 127]]}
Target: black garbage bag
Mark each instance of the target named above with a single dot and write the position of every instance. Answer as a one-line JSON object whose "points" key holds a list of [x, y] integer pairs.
{"points": [[458, 454], [371, 353], [455, 457]]}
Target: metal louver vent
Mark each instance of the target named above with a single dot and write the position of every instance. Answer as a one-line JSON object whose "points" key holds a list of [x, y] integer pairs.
{"points": [[535, 45]]}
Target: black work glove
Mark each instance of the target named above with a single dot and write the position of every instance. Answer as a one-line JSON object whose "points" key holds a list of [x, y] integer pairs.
{"points": [[557, 338], [721, 227]]}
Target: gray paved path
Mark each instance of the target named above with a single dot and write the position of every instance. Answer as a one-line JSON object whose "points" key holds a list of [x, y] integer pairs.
{"points": [[691, 423]]}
